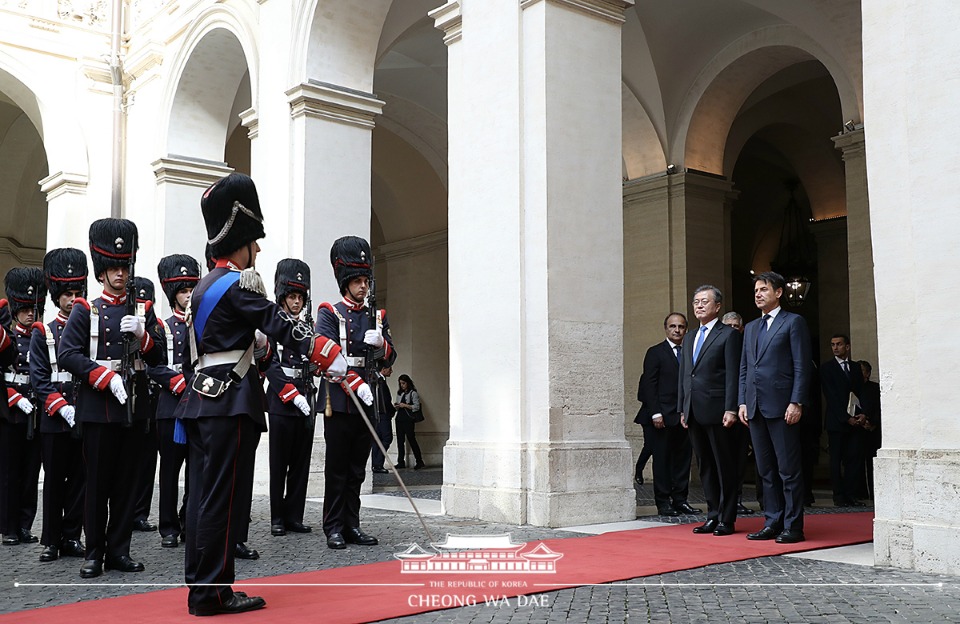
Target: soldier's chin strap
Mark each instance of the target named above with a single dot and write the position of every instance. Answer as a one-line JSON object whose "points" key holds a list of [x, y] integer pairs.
{"points": [[393, 469]]}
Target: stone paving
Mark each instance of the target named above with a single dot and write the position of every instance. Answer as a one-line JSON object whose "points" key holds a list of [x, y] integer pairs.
{"points": [[771, 589]]}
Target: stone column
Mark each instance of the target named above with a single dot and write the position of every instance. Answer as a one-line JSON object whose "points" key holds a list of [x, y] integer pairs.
{"points": [[910, 87], [676, 233], [863, 299], [536, 239], [833, 286], [330, 197]]}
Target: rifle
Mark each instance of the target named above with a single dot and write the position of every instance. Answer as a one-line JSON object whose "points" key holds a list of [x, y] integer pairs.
{"points": [[370, 362], [130, 343], [32, 423], [306, 372]]}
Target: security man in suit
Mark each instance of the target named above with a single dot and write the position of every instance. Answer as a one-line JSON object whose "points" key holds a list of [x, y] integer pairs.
{"points": [[148, 466], [26, 294], [65, 272], [385, 413], [222, 408], [348, 439], [291, 421], [775, 372], [840, 376], [660, 420], [179, 274], [709, 372], [101, 335]]}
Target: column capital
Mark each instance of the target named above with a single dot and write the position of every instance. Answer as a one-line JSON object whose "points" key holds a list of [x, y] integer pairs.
{"points": [[832, 226], [607, 10], [321, 100], [449, 19], [647, 188], [56, 184], [189, 171], [411, 246], [851, 143], [250, 119]]}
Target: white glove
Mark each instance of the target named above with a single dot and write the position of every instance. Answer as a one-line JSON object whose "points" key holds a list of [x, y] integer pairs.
{"points": [[339, 367], [374, 338], [25, 406], [260, 338], [365, 394], [302, 404], [116, 387], [132, 324], [67, 413]]}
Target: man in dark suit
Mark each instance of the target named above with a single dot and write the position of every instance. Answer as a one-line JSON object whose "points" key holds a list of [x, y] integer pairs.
{"points": [[660, 420], [870, 404], [774, 381], [839, 376], [709, 368]]}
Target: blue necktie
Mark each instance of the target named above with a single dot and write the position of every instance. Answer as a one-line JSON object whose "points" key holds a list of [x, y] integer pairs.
{"points": [[762, 334], [696, 347], [676, 349]]}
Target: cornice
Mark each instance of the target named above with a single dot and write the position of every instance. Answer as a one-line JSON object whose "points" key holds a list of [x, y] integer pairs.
{"points": [[321, 100], [189, 171]]}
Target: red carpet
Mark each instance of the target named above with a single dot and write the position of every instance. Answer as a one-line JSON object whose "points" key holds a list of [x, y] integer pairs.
{"points": [[378, 591]]}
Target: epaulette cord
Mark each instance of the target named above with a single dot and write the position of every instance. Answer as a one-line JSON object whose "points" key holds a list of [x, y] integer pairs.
{"points": [[251, 280]]}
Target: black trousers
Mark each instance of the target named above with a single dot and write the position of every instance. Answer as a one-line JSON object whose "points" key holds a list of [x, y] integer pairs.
{"points": [[172, 458], [63, 488], [846, 463], [716, 449], [112, 454], [147, 475], [405, 432], [348, 445], [776, 446], [220, 464], [384, 429], [19, 475], [672, 454], [291, 448]]}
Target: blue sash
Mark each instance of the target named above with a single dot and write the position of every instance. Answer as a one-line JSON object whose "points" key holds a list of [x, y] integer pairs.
{"points": [[210, 300]]}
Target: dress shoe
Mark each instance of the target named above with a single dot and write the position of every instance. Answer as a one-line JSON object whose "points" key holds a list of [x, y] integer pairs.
{"points": [[123, 563], [685, 508], [240, 551], [72, 548], [381, 470], [298, 527], [336, 541], [766, 533], [790, 536], [743, 510], [707, 527], [855, 503], [400, 465], [237, 603], [26, 537], [169, 541], [11, 540], [667, 511], [49, 553], [356, 536], [144, 525], [724, 528], [638, 480], [91, 568], [277, 529], [419, 465]]}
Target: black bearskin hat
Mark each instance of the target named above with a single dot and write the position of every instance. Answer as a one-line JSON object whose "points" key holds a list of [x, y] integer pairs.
{"points": [[177, 271], [231, 211], [144, 289], [350, 257], [64, 269], [112, 242], [292, 276], [25, 289]]}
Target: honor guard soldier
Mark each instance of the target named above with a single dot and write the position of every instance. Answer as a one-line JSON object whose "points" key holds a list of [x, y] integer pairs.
{"points": [[143, 494], [290, 404], [26, 294], [106, 341], [179, 274], [362, 333], [222, 408], [65, 272]]}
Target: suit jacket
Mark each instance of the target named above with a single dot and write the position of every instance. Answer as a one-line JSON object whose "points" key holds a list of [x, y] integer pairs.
{"points": [[708, 388], [657, 389], [837, 386], [778, 372]]}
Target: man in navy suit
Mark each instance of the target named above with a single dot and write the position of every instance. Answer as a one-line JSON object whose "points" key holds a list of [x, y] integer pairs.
{"points": [[709, 370], [660, 420], [839, 376], [775, 374]]}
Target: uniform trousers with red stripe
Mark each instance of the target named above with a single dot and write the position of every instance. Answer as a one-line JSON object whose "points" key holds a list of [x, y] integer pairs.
{"points": [[220, 463]]}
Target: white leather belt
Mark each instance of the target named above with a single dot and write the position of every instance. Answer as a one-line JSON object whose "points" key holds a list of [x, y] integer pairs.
{"points": [[18, 379], [61, 377], [177, 367], [218, 359], [292, 373], [113, 365], [356, 361]]}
